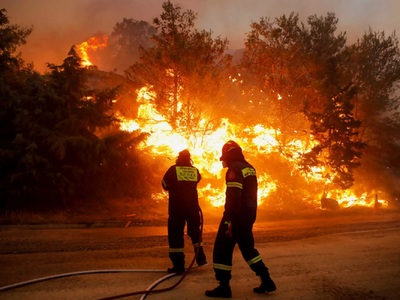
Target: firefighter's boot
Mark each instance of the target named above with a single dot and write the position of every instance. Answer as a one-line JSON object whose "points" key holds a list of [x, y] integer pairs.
{"points": [[201, 259], [178, 270], [267, 285], [221, 291], [178, 262]]}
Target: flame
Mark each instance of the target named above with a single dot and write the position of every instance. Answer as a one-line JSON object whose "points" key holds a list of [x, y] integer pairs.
{"points": [[92, 44], [205, 150], [168, 142], [347, 198]]}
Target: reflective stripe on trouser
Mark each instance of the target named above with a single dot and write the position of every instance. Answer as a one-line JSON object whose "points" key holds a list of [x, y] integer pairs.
{"points": [[177, 257], [223, 252], [176, 250], [251, 254], [176, 225], [195, 245]]}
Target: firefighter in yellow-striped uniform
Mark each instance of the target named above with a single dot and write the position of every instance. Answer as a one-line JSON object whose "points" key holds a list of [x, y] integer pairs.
{"points": [[236, 226], [181, 181]]}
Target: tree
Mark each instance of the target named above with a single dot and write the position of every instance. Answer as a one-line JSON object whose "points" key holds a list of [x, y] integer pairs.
{"points": [[326, 52], [91, 107], [11, 36], [51, 153], [291, 65], [339, 147], [13, 76], [299, 69], [375, 69], [124, 42], [85, 158], [53, 156], [184, 68], [12, 72], [54, 145], [272, 62]]}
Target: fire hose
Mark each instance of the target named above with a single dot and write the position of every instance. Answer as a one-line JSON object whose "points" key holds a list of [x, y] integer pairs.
{"points": [[144, 293], [150, 289]]}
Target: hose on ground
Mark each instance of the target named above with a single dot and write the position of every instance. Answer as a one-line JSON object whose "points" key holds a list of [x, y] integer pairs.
{"points": [[155, 283], [24, 283], [146, 292]]}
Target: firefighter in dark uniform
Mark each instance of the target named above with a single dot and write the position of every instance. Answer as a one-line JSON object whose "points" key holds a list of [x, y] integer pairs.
{"points": [[236, 226], [181, 182]]}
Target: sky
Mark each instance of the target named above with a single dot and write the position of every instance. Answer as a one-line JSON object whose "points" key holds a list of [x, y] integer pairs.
{"points": [[59, 24]]}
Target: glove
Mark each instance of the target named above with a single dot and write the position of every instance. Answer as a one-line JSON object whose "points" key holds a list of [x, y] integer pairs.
{"points": [[228, 231]]}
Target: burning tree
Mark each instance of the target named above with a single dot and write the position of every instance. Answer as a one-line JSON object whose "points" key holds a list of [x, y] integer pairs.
{"points": [[338, 151], [296, 68], [184, 69], [375, 68], [286, 80], [284, 103], [287, 64], [277, 73]]}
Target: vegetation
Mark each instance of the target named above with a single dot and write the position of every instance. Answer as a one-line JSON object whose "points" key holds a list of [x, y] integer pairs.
{"points": [[51, 155], [61, 146], [185, 66]]}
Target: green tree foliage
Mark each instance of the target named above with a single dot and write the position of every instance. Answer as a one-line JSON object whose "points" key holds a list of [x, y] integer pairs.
{"points": [[11, 36], [185, 68], [339, 147], [274, 61], [333, 117], [298, 68], [375, 68], [286, 64], [13, 75], [88, 109], [325, 50], [124, 42], [51, 153]]}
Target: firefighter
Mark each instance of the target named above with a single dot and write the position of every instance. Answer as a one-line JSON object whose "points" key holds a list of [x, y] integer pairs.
{"points": [[236, 226], [181, 181]]}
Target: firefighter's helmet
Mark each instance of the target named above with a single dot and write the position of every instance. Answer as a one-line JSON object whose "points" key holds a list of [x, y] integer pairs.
{"points": [[229, 146], [184, 155], [184, 158]]}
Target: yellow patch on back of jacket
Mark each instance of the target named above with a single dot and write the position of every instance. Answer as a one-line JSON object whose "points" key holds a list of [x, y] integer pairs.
{"points": [[186, 174], [248, 172]]}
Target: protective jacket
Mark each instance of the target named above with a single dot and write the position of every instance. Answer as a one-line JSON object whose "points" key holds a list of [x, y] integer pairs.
{"points": [[181, 181], [239, 216], [181, 184], [241, 194]]}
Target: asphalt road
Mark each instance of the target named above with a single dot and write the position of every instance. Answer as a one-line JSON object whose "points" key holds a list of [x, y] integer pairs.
{"points": [[328, 257]]}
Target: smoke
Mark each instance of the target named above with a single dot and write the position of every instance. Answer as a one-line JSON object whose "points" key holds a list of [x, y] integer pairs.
{"points": [[59, 24]]}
